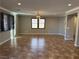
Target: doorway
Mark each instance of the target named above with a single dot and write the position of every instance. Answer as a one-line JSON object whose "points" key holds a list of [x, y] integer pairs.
{"points": [[71, 26]]}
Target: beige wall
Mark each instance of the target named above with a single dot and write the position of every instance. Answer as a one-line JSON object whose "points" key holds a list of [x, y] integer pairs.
{"points": [[54, 25], [77, 41], [16, 25], [4, 36], [61, 25]]}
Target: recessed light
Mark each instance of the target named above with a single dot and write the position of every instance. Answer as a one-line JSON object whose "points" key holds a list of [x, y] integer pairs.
{"points": [[19, 4], [69, 5]]}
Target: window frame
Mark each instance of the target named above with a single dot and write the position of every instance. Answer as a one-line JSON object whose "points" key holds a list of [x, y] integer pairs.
{"points": [[38, 23]]}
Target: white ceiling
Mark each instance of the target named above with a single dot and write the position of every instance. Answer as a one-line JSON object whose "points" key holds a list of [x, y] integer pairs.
{"points": [[45, 7]]}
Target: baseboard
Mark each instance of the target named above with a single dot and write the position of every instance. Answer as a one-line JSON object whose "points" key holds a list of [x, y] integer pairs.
{"points": [[68, 38], [61, 34], [4, 41], [42, 34], [76, 45]]}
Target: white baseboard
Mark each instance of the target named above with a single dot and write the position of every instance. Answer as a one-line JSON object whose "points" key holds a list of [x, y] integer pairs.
{"points": [[61, 34], [4, 41], [42, 34], [76, 45], [68, 38]]}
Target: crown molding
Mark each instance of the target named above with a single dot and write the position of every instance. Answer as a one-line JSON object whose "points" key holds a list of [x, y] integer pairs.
{"points": [[74, 10], [2, 8]]}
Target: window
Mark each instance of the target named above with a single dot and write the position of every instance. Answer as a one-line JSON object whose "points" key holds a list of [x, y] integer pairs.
{"points": [[41, 23], [38, 23], [34, 23]]}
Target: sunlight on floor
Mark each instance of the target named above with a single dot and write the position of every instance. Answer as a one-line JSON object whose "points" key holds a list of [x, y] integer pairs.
{"points": [[37, 43]]}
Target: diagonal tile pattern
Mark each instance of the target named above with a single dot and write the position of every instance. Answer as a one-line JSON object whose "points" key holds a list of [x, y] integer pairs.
{"points": [[39, 47]]}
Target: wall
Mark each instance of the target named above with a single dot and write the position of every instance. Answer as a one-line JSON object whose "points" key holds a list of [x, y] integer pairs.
{"points": [[62, 25], [54, 25], [4, 36], [77, 41], [77, 32], [16, 21]]}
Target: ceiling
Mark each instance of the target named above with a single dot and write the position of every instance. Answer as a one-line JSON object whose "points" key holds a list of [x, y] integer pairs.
{"points": [[45, 7]]}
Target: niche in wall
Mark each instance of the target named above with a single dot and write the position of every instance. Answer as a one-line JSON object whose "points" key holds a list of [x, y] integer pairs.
{"points": [[11, 22], [6, 22], [71, 26], [0, 22]]}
